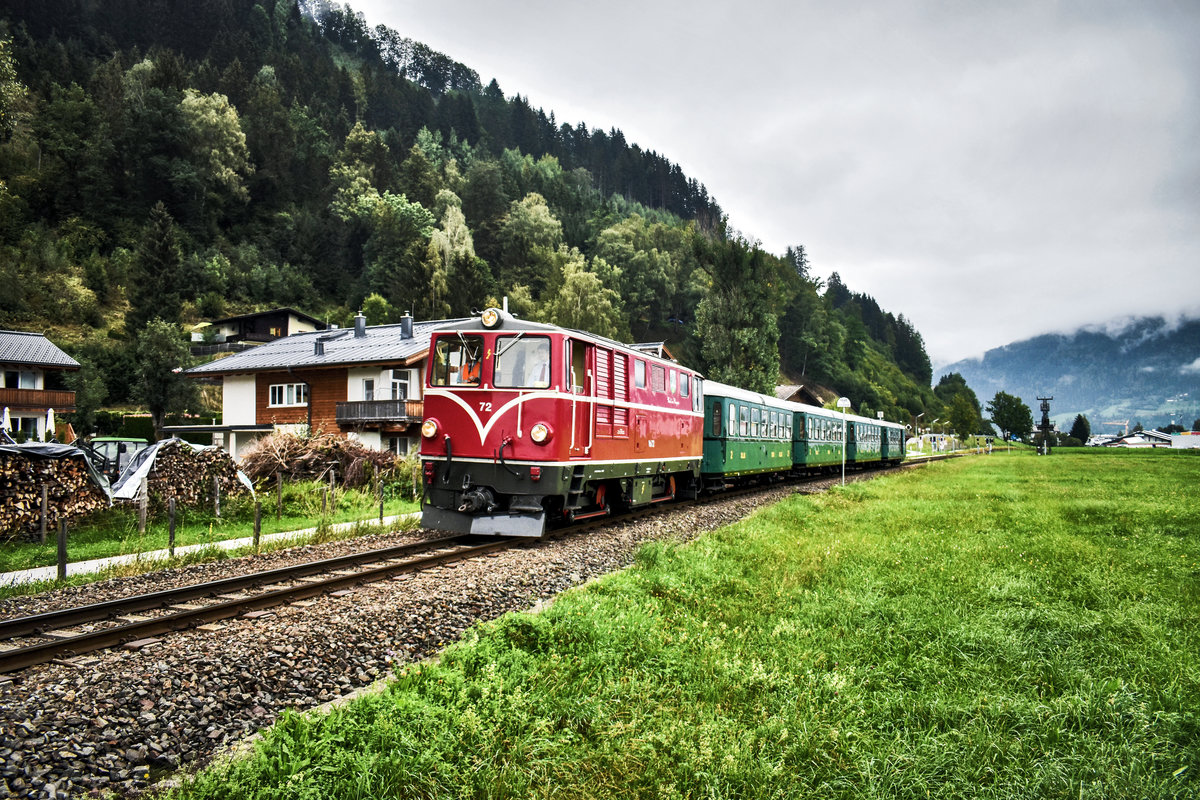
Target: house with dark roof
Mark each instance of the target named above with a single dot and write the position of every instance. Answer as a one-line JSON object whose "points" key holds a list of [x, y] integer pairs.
{"points": [[26, 360], [363, 382], [248, 330]]}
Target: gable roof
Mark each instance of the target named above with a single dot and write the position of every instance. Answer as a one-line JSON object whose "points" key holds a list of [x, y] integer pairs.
{"points": [[383, 344], [21, 347], [272, 312]]}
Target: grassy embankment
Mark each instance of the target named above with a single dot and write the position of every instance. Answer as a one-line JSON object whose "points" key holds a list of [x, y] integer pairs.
{"points": [[114, 531], [1006, 626]]}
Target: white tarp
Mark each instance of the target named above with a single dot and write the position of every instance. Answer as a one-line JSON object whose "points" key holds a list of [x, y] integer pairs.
{"points": [[127, 486]]}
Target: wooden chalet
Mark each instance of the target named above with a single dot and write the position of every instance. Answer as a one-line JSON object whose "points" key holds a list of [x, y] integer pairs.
{"points": [[26, 360]]}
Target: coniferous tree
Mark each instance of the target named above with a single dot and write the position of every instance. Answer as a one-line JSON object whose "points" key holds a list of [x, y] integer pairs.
{"points": [[158, 274], [1081, 429]]}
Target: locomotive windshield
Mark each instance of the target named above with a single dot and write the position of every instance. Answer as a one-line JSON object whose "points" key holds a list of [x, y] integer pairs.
{"points": [[522, 362], [457, 361]]}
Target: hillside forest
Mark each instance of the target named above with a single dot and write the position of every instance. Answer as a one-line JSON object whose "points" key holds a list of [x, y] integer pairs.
{"points": [[190, 161]]}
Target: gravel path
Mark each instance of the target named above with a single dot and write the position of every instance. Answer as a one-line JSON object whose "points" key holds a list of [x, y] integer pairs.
{"points": [[117, 720]]}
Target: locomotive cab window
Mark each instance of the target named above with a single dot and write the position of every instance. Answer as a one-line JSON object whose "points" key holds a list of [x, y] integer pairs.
{"points": [[639, 373], [522, 362], [457, 361]]}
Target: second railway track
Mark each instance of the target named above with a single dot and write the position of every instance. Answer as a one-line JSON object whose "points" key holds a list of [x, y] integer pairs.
{"points": [[116, 622]]}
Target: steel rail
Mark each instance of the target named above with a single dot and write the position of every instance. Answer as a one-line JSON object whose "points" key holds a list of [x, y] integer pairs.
{"points": [[69, 617], [27, 656]]}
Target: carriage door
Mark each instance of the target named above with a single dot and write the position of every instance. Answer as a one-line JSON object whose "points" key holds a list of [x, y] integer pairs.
{"points": [[580, 359]]}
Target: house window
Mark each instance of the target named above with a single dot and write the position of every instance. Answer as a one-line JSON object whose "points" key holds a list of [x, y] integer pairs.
{"points": [[288, 394], [368, 389], [399, 384], [400, 445]]}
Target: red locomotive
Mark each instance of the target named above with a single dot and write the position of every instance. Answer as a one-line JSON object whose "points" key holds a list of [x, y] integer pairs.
{"points": [[528, 424]]}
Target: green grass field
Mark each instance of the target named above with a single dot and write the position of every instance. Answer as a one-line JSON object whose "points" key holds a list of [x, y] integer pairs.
{"points": [[1010, 626]]}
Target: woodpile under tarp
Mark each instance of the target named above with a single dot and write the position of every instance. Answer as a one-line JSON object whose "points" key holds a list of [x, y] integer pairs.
{"points": [[300, 458], [179, 469], [74, 488]]}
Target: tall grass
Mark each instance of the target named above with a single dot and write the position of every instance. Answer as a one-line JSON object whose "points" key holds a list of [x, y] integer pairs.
{"points": [[1003, 627]]}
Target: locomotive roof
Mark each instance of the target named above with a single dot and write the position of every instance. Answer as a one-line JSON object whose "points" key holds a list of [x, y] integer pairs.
{"points": [[655, 350]]}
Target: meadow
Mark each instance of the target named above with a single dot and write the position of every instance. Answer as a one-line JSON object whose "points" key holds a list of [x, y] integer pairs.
{"points": [[1004, 626]]}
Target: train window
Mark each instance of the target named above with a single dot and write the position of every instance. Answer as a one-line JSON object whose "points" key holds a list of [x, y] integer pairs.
{"points": [[684, 384], [732, 421], [639, 373], [716, 429], [745, 414], [456, 360], [671, 382], [522, 362], [658, 378]]}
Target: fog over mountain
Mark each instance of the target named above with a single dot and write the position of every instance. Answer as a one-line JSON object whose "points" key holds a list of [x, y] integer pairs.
{"points": [[1144, 369]]}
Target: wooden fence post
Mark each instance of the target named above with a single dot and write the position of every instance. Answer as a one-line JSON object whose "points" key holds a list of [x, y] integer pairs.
{"points": [[257, 524], [45, 511], [171, 526], [278, 496], [62, 549], [143, 506], [216, 497]]}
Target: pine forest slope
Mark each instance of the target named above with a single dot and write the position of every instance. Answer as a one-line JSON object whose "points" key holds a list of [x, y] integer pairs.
{"points": [[188, 161]]}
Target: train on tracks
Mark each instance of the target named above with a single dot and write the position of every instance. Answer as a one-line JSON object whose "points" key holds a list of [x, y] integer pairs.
{"points": [[528, 426]]}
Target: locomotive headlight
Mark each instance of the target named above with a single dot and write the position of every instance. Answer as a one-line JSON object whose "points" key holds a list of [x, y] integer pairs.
{"points": [[541, 433], [429, 428], [491, 318]]}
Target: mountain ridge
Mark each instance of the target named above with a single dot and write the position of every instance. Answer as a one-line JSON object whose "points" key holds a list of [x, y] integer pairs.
{"points": [[1141, 369]]}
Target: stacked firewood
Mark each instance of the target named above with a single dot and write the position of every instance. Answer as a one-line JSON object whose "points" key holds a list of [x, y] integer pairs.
{"points": [[348, 461], [71, 493], [187, 474]]}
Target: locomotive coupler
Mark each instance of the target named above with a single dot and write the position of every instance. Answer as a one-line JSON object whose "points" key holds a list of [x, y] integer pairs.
{"points": [[476, 500]]}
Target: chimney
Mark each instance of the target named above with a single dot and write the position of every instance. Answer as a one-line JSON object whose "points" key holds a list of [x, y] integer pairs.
{"points": [[406, 323], [360, 325]]}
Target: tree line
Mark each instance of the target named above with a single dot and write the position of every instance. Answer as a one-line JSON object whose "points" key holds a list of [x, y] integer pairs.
{"points": [[182, 162]]}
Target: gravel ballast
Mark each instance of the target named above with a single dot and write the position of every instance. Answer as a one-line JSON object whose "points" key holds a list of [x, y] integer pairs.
{"points": [[120, 719]]}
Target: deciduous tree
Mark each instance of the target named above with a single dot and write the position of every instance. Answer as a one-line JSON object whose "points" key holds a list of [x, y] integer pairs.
{"points": [[1010, 415]]}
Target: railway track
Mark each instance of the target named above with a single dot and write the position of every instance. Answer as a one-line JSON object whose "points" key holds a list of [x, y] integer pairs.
{"points": [[40, 638]]}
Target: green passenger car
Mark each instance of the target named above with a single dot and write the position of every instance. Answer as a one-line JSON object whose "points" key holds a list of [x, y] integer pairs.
{"points": [[892, 442], [864, 445], [745, 433], [816, 437]]}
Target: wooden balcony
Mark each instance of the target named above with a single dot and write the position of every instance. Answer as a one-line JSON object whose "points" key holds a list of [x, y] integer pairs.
{"points": [[358, 413], [37, 400]]}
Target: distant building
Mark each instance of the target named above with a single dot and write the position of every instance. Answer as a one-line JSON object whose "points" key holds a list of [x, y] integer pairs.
{"points": [[253, 329], [25, 361], [800, 394], [363, 382]]}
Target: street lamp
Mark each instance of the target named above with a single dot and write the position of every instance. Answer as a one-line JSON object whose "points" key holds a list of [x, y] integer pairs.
{"points": [[843, 403]]}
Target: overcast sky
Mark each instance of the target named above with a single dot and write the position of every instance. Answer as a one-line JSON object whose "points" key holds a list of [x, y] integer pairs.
{"points": [[990, 170]]}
